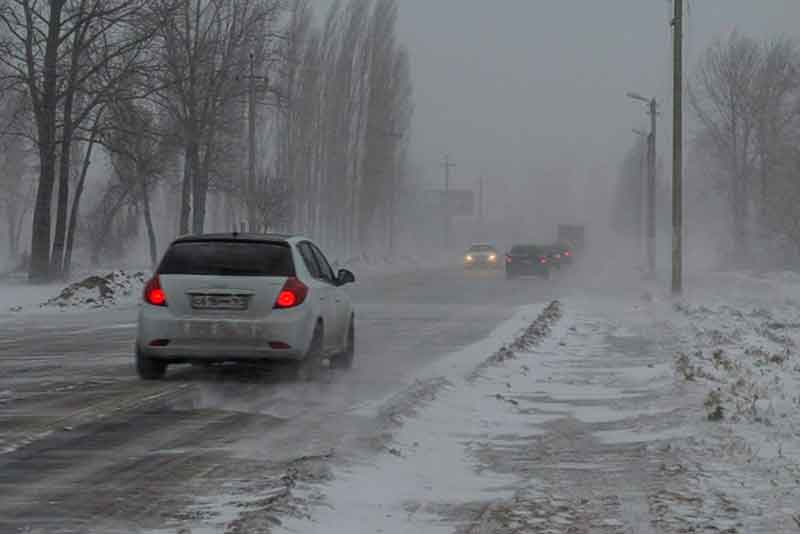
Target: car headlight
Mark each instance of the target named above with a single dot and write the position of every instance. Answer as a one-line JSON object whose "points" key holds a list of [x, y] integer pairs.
{"points": [[468, 258], [492, 257]]}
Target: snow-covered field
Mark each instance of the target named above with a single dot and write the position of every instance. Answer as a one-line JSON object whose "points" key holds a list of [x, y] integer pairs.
{"points": [[608, 415]]}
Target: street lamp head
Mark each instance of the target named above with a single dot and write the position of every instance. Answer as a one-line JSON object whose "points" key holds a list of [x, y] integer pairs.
{"points": [[637, 96]]}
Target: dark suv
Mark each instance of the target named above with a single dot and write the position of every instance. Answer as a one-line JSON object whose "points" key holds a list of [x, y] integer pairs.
{"points": [[527, 260]]}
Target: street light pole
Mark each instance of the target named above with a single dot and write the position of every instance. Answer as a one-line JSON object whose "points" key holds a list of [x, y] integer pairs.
{"points": [[644, 169], [651, 184]]}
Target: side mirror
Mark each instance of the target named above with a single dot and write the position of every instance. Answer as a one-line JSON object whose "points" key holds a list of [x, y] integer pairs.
{"points": [[345, 277]]}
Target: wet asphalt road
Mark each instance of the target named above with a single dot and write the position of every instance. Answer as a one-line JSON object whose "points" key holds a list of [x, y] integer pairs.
{"points": [[87, 447]]}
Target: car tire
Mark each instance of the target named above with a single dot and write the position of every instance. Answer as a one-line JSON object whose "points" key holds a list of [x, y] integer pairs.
{"points": [[345, 359], [307, 369], [149, 368]]}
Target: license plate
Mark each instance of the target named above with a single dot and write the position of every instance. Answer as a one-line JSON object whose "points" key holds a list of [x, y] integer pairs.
{"points": [[219, 302], [221, 330]]}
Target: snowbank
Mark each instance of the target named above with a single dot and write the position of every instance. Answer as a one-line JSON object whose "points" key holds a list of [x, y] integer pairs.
{"points": [[96, 291]]}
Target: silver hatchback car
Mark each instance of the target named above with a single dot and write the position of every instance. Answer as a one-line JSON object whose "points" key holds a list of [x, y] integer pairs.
{"points": [[245, 297]]}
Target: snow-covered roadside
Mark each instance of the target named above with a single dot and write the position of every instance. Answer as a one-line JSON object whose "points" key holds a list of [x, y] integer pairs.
{"points": [[741, 351], [596, 428], [97, 291]]}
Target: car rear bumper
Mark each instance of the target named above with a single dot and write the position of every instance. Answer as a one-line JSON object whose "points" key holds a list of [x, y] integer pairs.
{"points": [[179, 353], [285, 334], [528, 270]]}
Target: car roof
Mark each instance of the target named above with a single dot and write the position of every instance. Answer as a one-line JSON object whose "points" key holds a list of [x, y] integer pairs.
{"points": [[533, 246], [244, 236]]}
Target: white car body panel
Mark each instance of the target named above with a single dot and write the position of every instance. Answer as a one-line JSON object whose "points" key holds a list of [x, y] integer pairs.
{"points": [[220, 335]]}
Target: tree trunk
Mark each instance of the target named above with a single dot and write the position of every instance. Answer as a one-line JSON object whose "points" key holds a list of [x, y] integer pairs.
{"points": [[73, 218], [148, 221], [57, 256], [13, 244], [40, 238], [186, 187], [45, 113], [199, 189], [57, 259]]}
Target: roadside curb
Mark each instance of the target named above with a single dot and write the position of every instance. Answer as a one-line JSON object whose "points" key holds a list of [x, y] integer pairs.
{"points": [[531, 337]]}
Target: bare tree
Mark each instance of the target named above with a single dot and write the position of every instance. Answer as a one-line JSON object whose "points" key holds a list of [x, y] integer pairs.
{"points": [[68, 56], [722, 98], [207, 48], [745, 97]]}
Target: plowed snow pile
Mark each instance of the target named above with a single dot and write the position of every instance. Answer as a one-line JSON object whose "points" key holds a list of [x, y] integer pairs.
{"points": [[96, 291]]}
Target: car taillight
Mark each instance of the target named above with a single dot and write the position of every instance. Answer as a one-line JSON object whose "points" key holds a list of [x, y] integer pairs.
{"points": [[508, 259], [153, 294], [292, 294], [567, 253], [542, 260]]}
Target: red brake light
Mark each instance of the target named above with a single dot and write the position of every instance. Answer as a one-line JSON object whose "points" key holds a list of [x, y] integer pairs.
{"points": [[286, 299], [542, 260], [292, 294], [153, 294], [508, 259], [567, 253]]}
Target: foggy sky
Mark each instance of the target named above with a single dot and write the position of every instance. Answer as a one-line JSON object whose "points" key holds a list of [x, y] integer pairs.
{"points": [[535, 89]]}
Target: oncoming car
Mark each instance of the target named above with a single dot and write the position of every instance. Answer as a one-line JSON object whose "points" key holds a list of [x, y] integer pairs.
{"points": [[481, 256], [244, 297]]}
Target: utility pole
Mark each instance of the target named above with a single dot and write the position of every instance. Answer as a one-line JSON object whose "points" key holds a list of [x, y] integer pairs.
{"points": [[650, 229], [251, 176], [644, 169], [677, 151], [447, 164], [651, 193]]}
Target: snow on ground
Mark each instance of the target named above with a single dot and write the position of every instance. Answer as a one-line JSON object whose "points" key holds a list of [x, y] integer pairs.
{"points": [[625, 415], [96, 291], [741, 350]]}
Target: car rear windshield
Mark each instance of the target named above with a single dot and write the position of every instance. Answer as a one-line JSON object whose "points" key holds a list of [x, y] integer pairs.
{"points": [[228, 258], [525, 250], [481, 248]]}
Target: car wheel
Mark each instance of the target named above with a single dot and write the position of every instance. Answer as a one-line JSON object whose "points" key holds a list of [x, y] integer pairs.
{"points": [[149, 368], [308, 368], [345, 359]]}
